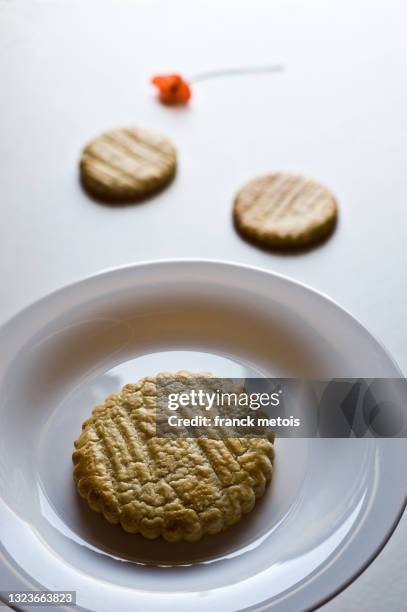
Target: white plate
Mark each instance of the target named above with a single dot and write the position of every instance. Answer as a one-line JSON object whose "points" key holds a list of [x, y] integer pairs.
{"points": [[330, 508]]}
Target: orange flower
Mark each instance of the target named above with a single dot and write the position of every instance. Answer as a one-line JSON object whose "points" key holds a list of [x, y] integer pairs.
{"points": [[172, 88]]}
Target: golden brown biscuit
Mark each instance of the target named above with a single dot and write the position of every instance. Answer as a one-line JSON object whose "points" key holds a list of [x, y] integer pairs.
{"points": [[127, 164], [284, 211], [178, 488]]}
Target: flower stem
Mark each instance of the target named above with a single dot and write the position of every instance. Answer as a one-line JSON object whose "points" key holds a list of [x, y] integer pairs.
{"points": [[214, 74]]}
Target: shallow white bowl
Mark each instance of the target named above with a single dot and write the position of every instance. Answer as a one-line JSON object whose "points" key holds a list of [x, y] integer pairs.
{"points": [[331, 506]]}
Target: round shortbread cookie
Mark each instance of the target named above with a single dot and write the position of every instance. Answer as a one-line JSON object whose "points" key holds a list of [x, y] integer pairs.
{"points": [[127, 164], [178, 488], [284, 211]]}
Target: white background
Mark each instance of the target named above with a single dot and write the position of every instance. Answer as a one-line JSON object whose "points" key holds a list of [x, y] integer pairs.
{"points": [[69, 70]]}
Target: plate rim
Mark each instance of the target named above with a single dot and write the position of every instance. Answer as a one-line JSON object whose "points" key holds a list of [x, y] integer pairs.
{"points": [[196, 260]]}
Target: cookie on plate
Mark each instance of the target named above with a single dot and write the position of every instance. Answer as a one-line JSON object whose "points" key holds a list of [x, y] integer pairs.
{"points": [[127, 164], [284, 211], [177, 488]]}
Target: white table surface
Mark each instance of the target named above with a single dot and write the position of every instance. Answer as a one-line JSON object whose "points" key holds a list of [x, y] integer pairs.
{"points": [[71, 69]]}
